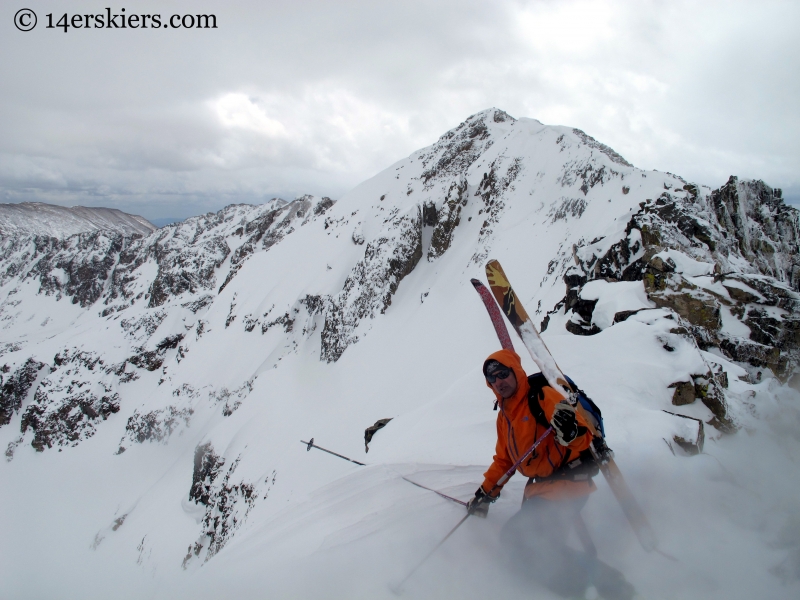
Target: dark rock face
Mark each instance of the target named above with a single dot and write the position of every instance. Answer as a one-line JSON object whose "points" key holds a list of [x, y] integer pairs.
{"points": [[227, 503], [581, 322], [153, 359], [370, 431], [207, 466], [373, 281], [699, 308], [231, 399], [70, 401], [581, 328], [709, 389], [69, 422], [460, 147], [140, 328], [77, 267], [87, 261], [588, 171], [445, 220], [501, 176], [180, 271], [155, 426], [446, 164], [15, 388]]}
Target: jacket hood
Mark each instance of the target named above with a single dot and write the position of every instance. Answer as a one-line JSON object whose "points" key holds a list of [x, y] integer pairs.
{"points": [[510, 359]]}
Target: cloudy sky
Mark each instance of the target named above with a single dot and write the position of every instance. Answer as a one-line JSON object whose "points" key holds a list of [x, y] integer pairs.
{"points": [[285, 98]]}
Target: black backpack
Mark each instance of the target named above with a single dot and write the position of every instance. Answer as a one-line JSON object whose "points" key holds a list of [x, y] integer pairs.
{"points": [[584, 466], [537, 382]]}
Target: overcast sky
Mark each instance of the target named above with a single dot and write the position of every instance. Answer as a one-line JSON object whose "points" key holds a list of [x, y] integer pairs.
{"points": [[286, 98]]}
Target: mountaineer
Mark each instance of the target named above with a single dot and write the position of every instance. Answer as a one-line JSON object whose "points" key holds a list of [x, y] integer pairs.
{"points": [[559, 475]]}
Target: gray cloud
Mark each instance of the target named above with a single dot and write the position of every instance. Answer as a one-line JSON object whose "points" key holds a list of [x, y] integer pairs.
{"points": [[313, 97]]}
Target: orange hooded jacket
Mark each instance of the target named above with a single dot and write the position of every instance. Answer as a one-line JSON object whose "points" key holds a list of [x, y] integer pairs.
{"points": [[517, 431]]}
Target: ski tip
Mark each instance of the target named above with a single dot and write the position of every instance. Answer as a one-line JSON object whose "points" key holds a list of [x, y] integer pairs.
{"points": [[476, 282], [493, 266]]}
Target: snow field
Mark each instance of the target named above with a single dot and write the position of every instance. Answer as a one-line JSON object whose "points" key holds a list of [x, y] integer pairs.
{"points": [[324, 527]]}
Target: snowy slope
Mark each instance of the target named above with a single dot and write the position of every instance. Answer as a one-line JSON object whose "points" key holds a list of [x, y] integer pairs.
{"points": [[38, 218], [156, 389]]}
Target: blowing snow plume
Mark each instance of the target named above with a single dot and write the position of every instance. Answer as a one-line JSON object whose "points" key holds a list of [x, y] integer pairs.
{"points": [[233, 335]]}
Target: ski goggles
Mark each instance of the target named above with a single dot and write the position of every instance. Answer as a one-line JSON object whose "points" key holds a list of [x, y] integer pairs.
{"points": [[498, 374]]}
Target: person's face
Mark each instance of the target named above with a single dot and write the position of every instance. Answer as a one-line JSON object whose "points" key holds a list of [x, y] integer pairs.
{"points": [[505, 387]]}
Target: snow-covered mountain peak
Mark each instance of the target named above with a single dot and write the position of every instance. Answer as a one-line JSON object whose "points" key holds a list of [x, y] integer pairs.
{"points": [[38, 218], [155, 388]]}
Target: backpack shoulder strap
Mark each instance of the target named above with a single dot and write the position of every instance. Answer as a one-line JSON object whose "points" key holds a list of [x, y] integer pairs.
{"points": [[537, 382]]}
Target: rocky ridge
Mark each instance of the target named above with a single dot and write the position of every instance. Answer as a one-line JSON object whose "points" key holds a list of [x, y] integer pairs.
{"points": [[313, 277], [709, 257]]}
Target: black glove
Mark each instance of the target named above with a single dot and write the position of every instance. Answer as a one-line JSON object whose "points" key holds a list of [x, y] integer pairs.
{"points": [[479, 505], [564, 423]]}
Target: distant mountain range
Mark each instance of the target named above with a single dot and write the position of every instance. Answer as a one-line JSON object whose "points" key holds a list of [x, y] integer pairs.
{"points": [[38, 218]]}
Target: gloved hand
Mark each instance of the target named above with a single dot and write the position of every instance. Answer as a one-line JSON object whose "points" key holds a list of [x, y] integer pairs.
{"points": [[564, 423], [479, 505]]}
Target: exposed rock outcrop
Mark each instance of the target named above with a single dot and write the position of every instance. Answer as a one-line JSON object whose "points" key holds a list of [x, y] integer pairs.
{"points": [[445, 219], [373, 281], [227, 503], [158, 425], [370, 431], [70, 401], [456, 150], [741, 236], [14, 388]]}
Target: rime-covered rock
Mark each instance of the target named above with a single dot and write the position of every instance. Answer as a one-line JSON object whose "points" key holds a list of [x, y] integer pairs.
{"points": [[741, 236], [373, 281], [70, 401], [14, 387], [227, 501], [158, 425]]}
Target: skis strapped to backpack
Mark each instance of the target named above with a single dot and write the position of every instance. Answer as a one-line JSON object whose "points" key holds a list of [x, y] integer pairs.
{"points": [[509, 303], [496, 316]]}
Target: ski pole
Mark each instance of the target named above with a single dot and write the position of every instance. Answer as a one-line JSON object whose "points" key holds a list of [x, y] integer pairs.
{"points": [[514, 467], [399, 587], [461, 502], [311, 445]]}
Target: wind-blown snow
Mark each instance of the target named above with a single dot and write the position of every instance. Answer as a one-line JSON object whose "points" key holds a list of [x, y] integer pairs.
{"points": [[316, 319]]}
